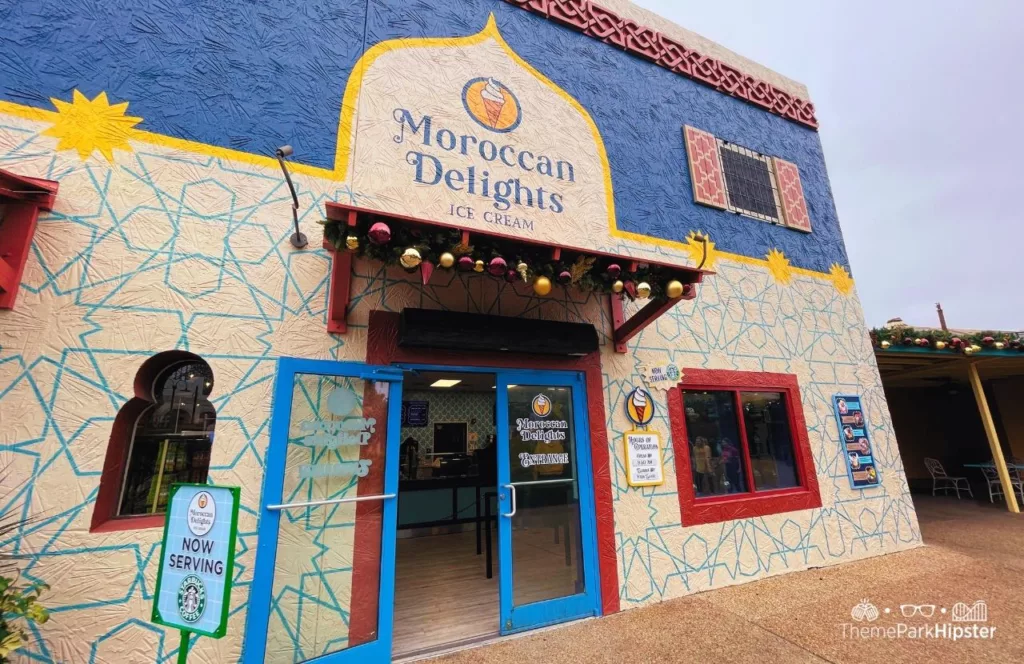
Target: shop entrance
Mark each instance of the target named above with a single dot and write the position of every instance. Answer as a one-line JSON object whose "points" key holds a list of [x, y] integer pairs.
{"points": [[334, 511]]}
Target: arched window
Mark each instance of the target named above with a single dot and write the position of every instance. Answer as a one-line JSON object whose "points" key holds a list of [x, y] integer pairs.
{"points": [[161, 437]]}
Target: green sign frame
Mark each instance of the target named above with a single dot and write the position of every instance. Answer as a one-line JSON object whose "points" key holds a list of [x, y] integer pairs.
{"points": [[229, 565]]}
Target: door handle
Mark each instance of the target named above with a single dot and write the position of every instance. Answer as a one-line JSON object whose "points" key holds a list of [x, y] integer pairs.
{"points": [[512, 492], [333, 501]]}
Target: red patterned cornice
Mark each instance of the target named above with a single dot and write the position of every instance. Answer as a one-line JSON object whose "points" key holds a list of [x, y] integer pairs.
{"points": [[597, 22]]}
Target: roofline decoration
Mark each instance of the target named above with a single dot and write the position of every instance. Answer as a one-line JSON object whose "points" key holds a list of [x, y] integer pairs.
{"points": [[645, 42]]}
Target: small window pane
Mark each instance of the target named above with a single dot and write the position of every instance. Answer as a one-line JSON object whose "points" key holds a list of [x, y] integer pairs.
{"points": [[172, 439], [771, 443], [715, 454], [749, 182]]}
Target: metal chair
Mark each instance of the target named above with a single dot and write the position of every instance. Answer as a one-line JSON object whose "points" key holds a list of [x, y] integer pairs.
{"points": [[940, 480], [995, 486]]}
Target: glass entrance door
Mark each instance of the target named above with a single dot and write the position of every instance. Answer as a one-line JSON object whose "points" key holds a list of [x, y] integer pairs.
{"points": [[323, 584], [548, 564]]}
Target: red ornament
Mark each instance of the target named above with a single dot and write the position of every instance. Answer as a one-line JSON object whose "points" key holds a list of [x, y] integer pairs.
{"points": [[988, 341], [907, 341], [497, 266], [614, 271], [380, 233], [564, 277], [922, 342], [511, 276], [956, 342], [466, 264]]}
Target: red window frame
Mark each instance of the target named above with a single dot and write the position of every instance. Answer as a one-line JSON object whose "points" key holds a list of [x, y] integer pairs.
{"points": [[696, 510]]}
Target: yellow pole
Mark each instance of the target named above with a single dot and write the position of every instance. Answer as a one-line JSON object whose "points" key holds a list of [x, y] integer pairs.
{"points": [[993, 438]]}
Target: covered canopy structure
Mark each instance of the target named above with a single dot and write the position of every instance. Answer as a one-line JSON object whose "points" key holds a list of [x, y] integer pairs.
{"points": [[956, 407]]}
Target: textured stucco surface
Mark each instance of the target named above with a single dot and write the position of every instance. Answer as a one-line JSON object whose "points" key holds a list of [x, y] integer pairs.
{"points": [[163, 249], [251, 77]]}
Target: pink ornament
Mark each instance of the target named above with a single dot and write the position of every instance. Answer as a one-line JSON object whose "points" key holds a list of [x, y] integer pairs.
{"points": [[564, 277], [511, 276], [497, 266], [466, 264], [614, 270], [380, 233]]}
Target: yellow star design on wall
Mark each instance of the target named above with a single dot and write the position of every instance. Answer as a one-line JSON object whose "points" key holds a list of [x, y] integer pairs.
{"points": [[841, 279], [779, 266], [87, 125], [696, 249]]}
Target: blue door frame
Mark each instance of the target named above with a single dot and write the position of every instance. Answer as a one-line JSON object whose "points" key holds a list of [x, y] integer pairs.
{"points": [[513, 618], [529, 616], [260, 595]]}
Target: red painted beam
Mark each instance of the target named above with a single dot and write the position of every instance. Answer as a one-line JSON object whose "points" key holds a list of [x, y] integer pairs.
{"points": [[16, 231], [339, 292], [641, 319]]}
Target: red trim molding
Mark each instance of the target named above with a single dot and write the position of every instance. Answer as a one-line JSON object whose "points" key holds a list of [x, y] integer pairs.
{"points": [[644, 42], [382, 348], [695, 511], [23, 197]]}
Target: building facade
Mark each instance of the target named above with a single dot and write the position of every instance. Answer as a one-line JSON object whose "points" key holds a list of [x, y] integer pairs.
{"points": [[673, 182]]}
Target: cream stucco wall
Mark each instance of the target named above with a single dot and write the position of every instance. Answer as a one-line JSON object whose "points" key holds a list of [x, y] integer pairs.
{"points": [[164, 249]]}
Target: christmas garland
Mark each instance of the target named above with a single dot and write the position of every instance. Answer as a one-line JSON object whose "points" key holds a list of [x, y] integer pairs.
{"points": [[411, 245], [887, 337]]}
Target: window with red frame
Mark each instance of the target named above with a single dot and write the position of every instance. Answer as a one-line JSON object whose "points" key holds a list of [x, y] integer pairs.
{"points": [[742, 444], [736, 454]]}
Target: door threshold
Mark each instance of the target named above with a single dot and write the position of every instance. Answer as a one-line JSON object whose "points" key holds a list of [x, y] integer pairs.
{"points": [[475, 642]]}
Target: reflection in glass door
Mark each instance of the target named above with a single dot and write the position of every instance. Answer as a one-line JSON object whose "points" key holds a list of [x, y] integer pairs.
{"points": [[327, 523], [547, 542]]}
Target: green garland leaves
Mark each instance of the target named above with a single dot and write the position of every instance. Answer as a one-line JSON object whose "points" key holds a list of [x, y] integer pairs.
{"points": [[588, 273], [910, 337]]}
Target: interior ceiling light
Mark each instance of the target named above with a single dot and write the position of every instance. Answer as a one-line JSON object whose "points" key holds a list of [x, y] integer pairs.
{"points": [[445, 382]]}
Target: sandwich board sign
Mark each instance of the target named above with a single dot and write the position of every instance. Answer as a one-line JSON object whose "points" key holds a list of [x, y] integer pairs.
{"points": [[193, 582]]}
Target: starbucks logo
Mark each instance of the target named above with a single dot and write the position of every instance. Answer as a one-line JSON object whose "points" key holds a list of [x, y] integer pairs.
{"points": [[191, 598]]}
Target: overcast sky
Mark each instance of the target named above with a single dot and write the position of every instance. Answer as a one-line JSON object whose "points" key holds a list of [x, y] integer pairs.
{"points": [[921, 106]]}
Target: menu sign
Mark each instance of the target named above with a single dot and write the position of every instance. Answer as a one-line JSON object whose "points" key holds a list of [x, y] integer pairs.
{"points": [[643, 458], [853, 436], [415, 413]]}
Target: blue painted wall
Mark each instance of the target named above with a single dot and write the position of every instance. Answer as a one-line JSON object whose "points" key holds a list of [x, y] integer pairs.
{"points": [[255, 75]]}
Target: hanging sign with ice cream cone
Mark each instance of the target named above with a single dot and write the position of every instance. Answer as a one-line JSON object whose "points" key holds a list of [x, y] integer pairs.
{"points": [[640, 407]]}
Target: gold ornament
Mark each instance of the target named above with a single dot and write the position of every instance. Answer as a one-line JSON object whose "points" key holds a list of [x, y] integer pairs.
{"points": [[411, 258], [351, 243], [969, 350], [643, 290], [446, 260], [885, 344], [940, 345], [542, 286], [478, 266], [462, 249], [1000, 345], [975, 347], [617, 286], [523, 269], [674, 289]]}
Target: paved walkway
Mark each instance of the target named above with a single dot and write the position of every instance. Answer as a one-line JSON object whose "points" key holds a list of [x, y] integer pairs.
{"points": [[973, 552]]}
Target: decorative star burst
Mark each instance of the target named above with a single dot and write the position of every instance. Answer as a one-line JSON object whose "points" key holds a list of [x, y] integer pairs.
{"points": [[696, 249], [85, 125], [779, 266], [841, 279]]}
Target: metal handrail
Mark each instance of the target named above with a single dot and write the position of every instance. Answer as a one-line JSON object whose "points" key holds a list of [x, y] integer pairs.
{"points": [[512, 490], [333, 501]]}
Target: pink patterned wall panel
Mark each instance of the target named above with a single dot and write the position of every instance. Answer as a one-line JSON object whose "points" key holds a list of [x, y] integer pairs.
{"points": [[705, 168], [794, 206]]}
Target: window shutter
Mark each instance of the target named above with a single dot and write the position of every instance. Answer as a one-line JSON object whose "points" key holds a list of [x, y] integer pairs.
{"points": [[705, 168], [791, 191]]}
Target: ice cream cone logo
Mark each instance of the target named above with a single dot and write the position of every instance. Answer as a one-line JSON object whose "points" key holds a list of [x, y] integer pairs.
{"points": [[491, 104], [639, 407], [202, 500], [541, 405]]}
